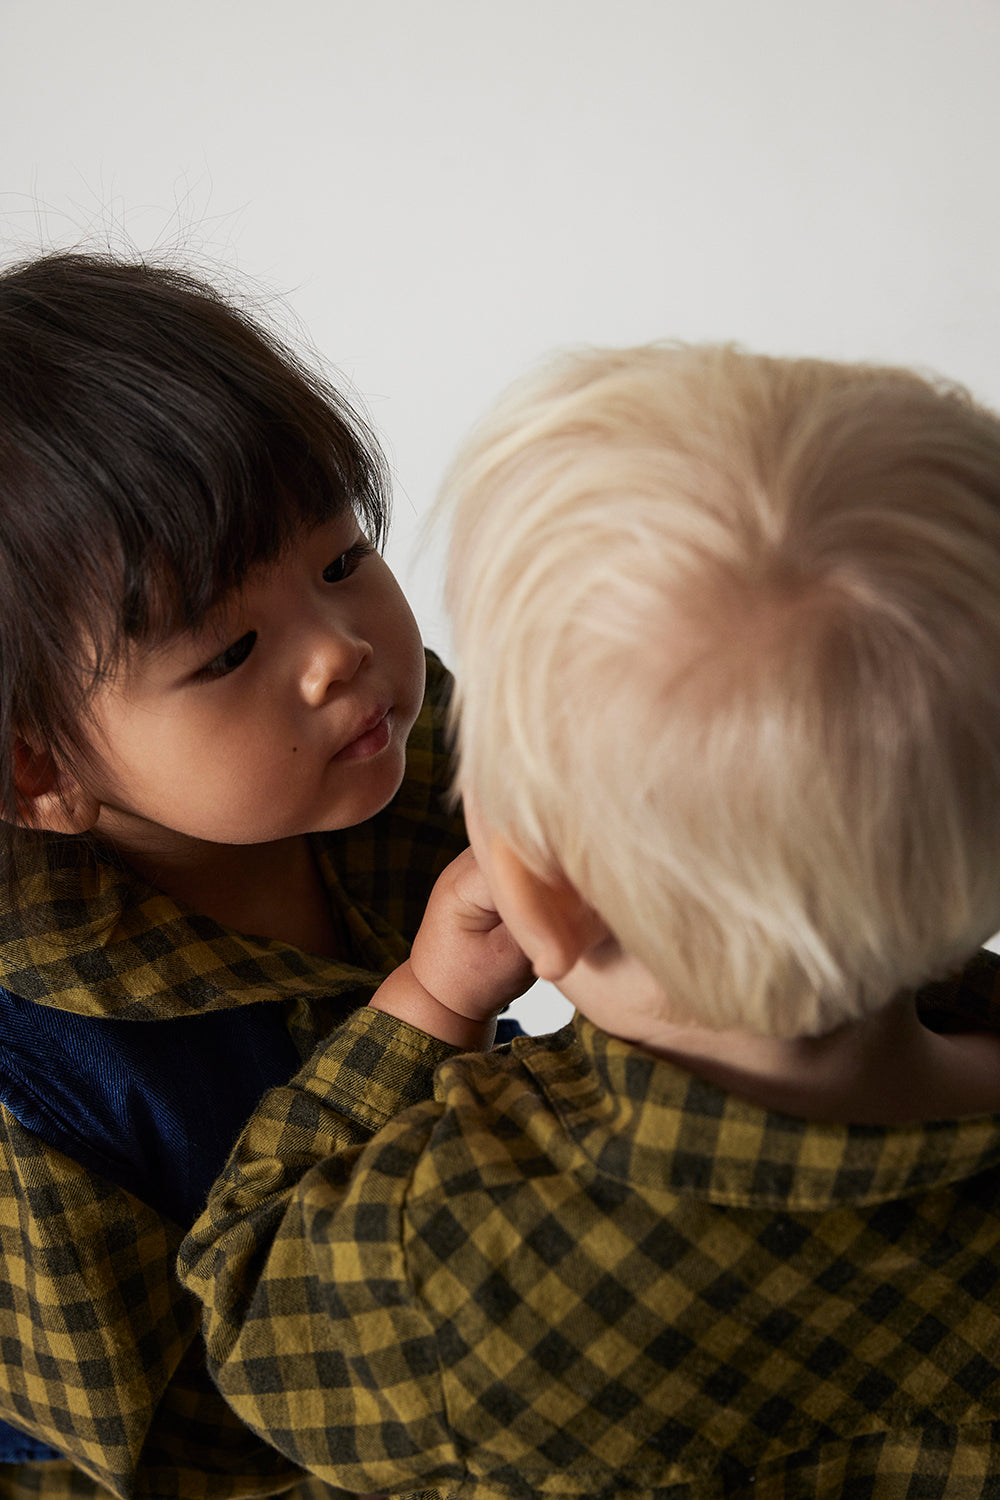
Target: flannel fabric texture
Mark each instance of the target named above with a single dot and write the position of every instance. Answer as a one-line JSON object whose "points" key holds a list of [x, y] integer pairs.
{"points": [[569, 1268], [102, 1353]]}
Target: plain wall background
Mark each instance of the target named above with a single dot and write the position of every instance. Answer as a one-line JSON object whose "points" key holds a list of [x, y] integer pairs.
{"points": [[441, 191]]}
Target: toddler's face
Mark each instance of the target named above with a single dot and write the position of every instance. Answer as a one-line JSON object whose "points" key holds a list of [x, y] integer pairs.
{"points": [[286, 713]]}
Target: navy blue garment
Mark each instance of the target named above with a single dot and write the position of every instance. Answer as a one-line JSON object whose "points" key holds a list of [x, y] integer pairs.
{"points": [[507, 1029], [153, 1106]]}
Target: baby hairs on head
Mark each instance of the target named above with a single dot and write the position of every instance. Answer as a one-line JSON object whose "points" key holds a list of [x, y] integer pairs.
{"points": [[156, 443]]}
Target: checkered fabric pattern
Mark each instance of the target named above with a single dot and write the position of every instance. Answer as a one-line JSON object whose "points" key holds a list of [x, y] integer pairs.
{"points": [[568, 1268], [102, 1354]]}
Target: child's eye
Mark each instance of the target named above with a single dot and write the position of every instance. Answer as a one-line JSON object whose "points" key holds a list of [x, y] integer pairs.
{"points": [[343, 566], [234, 656]]}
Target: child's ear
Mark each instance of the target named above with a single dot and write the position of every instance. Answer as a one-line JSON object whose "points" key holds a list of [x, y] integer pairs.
{"points": [[554, 924], [50, 800]]}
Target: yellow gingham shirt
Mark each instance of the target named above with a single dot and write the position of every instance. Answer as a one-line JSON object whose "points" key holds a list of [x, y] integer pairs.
{"points": [[102, 1354], [569, 1268]]}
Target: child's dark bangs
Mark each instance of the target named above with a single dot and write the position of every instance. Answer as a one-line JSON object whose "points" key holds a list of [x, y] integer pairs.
{"points": [[181, 440], [230, 499], [174, 574], [242, 478]]}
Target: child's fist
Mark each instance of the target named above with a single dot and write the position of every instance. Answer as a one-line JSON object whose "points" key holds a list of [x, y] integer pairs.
{"points": [[463, 954]]}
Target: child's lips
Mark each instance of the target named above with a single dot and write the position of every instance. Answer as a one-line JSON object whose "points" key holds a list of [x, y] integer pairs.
{"points": [[371, 738]]}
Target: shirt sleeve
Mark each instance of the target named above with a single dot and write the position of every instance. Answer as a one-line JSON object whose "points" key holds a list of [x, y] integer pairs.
{"points": [[314, 1333]]}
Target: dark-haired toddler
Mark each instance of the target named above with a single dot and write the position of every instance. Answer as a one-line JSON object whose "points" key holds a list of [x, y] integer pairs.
{"points": [[222, 778]]}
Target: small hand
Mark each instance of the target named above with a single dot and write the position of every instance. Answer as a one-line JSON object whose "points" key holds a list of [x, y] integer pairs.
{"points": [[463, 953], [464, 966]]}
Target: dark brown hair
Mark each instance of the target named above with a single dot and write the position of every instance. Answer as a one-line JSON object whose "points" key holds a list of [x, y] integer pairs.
{"points": [[155, 444]]}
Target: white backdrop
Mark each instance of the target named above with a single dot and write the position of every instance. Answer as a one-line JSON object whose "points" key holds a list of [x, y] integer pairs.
{"points": [[443, 190]]}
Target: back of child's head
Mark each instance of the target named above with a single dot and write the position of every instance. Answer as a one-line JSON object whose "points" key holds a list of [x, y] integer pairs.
{"points": [[728, 650], [156, 444]]}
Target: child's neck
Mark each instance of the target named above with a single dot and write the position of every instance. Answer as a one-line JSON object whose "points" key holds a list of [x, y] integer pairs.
{"points": [[267, 890], [885, 1070]]}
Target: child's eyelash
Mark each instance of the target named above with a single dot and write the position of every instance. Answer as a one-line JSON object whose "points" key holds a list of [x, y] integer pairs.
{"points": [[227, 661], [235, 655], [343, 566]]}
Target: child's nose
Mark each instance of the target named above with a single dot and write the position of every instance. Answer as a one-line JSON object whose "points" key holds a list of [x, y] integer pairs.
{"points": [[332, 658]]}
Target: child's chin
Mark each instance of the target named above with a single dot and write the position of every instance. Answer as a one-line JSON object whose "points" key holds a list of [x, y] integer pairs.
{"points": [[384, 782]]}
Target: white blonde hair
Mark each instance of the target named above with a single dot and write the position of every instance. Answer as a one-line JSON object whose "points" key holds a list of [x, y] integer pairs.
{"points": [[728, 649]]}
